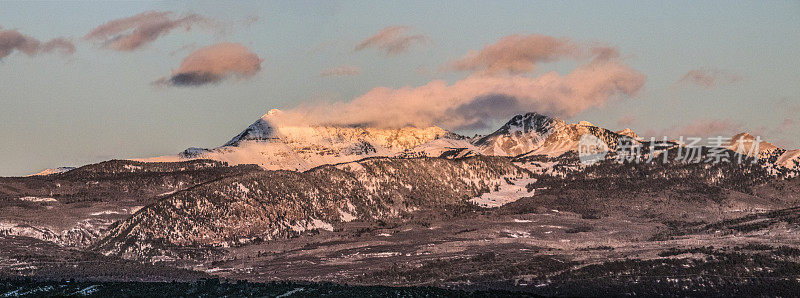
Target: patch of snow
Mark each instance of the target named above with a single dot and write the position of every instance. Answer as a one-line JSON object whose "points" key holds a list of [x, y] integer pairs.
{"points": [[37, 199], [517, 234], [132, 168], [383, 254], [106, 212], [167, 193], [318, 224], [290, 293], [86, 291], [242, 188], [506, 193], [347, 215]]}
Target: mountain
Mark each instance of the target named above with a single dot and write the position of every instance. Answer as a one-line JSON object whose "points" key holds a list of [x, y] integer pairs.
{"points": [[415, 206], [746, 143], [267, 205], [790, 159], [275, 144], [519, 135], [780, 162], [534, 134], [628, 132], [75, 207], [567, 138]]}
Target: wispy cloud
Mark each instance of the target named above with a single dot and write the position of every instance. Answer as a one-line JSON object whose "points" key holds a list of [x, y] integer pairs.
{"points": [[787, 124], [709, 78], [700, 128], [11, 40], [515, 54], [214, 64], [131, 33], [626, 121], [393, 40], [345, 70]]}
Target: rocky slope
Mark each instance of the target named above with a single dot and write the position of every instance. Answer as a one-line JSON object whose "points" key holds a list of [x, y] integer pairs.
{"points": [[536, 134], [275, 204], [519, 135], [74, 208]]}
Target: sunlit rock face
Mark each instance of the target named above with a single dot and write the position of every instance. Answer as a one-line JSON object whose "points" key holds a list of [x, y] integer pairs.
{"points": [[519, 135]]}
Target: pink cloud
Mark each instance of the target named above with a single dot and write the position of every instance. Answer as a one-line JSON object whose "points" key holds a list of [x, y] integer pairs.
{"points": [[626, 121], [12, 40], [472, 101], [709, 78], [345, 70], [393, 40], [516, 54], [214, 64], [131, 33], [788, 123], [700, 128]]}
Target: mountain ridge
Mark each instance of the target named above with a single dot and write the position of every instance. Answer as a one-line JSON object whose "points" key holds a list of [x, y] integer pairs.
{"points": [[275, 143]]}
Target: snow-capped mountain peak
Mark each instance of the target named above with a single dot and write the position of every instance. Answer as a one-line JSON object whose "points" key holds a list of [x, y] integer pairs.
{"points": [[746, 143], [534, 133], [274, 143], [628, 132], [261, 130], [273, 112], [519, 135]]}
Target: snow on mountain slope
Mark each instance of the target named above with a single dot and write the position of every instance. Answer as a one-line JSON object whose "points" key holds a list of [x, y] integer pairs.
{"points": [[443, 147], [567, 138], [267, 205], [277, 144], [273, 145], [519, 135], [745, 143], [53, 171], [790, 159], [779, 161], [534, 134], [629, 133]]}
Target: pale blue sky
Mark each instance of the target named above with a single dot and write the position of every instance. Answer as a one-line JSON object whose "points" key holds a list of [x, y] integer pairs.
{"points": [[99, 104]]}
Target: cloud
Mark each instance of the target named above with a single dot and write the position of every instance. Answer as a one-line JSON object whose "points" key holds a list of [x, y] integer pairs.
{"points": [[131, 33], [709, 78], [700, 128], [787, 124], [478, 100], [393, 40], [475, 101], [626, 121], [517, 54], [12, 40], [346, 70], [214, 64]]}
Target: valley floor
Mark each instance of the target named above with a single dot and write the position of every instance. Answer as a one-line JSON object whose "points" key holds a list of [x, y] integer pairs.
{"points": [[548, 253]]}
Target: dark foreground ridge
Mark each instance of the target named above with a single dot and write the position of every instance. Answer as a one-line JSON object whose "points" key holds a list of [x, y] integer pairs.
{"points": [[217, 288]]}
